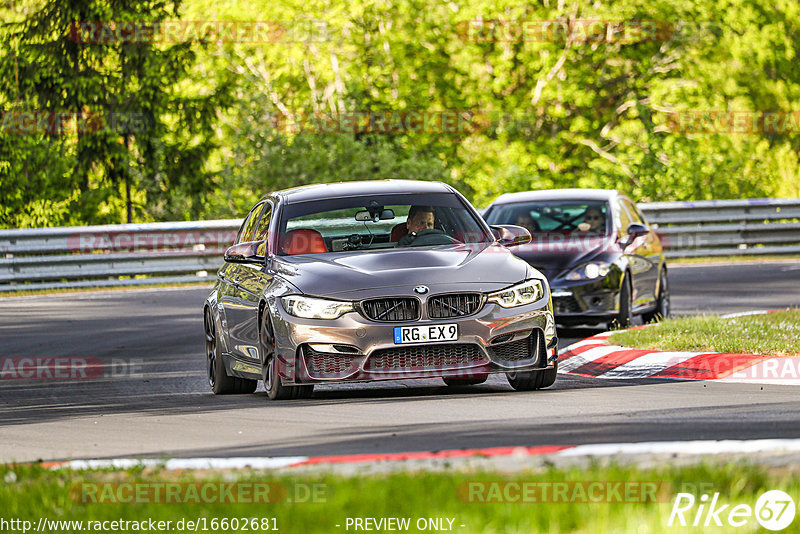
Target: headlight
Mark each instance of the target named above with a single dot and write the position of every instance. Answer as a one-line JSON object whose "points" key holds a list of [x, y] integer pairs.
{"points": [[518, 295], [313, 308], [590, 271]]}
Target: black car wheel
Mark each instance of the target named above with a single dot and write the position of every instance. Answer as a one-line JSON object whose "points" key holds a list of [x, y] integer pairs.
{"points": [[662, 301], [218, 379], [623, 319], [465, 381], [273, 384], [530, 380]]}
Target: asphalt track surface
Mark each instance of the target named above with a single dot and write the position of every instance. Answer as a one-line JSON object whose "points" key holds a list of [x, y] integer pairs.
{"points": [[162, 407]]}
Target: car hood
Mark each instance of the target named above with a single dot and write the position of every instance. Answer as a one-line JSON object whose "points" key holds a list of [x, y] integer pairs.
{"points": [[360, 274], [557, 258]]}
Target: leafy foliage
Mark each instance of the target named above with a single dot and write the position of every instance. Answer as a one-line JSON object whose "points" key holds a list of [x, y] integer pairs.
{"points": [[562, 111]]}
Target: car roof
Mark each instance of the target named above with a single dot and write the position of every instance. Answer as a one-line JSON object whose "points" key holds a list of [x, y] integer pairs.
{"points": [[558, 194], [360, 188]]}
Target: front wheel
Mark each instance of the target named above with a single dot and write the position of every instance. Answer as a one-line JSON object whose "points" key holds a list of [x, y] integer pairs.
{"points": [[623, 319], [218, 379], [530, 380], [273, 384], [662, 302]]}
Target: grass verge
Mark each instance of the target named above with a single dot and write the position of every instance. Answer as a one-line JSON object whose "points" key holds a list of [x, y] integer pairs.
{"points": [[772, 334], [320, 503], [735, 259]]}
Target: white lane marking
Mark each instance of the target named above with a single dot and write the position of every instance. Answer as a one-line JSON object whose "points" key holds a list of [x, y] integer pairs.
{"points": [[743, 314], [684, 447], [590, 355], [583, 343], [595, 449], [604, 335], [648, 364], [189, 463]]}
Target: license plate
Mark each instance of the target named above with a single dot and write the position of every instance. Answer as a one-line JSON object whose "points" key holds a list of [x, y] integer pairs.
{"points": [[425, 334]]}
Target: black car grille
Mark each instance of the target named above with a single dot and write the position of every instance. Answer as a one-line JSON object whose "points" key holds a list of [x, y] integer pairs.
{"points": [[566, 305], [325, 365], [442, 356], [456, 305], [528, 348], [391, 310]]}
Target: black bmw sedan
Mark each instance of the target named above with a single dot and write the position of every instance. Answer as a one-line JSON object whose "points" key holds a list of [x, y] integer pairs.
{"points": [[603, 260]]}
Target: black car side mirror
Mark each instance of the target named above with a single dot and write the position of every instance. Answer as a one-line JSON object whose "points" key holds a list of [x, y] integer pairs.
{"points": [[634, 231], [510, 235], [244, 253]]}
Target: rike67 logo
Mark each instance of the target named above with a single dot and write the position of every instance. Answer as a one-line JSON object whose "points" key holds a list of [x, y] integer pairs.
{"points": [[774, 510]]}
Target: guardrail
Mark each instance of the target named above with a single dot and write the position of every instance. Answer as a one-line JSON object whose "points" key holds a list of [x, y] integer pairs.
{"points": [[746, 227], [133, 254]]}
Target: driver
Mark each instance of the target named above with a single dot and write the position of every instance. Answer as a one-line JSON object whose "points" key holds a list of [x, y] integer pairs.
{"points": [[419, 218], [593, 221]]}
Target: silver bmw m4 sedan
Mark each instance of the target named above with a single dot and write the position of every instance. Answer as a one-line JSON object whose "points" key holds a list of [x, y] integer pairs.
{"points": [[381, 280]]}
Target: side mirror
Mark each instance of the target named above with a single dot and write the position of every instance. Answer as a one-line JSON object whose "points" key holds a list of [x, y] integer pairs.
{"points": [[244, 253], [510, 235], [637, 230], [634, 231]]}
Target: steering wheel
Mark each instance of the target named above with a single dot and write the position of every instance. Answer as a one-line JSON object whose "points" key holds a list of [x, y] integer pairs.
{"points": [[432, 236]]}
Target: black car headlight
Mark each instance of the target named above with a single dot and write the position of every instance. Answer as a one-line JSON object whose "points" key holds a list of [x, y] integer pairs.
{"points": [[527, 292], [590, 271], [315, 308]]}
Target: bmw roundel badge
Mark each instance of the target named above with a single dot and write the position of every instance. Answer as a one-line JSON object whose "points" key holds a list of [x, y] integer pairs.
{"points": [[421, 290]]}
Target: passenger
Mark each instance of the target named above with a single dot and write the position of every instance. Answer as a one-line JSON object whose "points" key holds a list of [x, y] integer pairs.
{"points": [[525, 220]]}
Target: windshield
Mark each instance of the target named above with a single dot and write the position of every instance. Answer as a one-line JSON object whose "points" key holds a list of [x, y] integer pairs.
{"points": [[377, 222], [554, 216]]}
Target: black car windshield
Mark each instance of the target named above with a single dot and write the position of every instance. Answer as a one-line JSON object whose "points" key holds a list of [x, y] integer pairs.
{"points": [[377, 222], [554, 216]]}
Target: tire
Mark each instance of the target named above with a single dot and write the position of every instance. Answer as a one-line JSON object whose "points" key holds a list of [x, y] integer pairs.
{"points": [[273, 384], [465, 381], [663, 306], [218, 379], [623, 318], [531, 380]]}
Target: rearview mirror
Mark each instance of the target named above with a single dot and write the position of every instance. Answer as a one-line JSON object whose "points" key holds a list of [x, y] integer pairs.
{"points": [[375, 216], [510, 235], [244, 253]]}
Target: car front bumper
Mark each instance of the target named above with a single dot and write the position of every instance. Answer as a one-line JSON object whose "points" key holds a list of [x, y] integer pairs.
{"points": [[585, 301], [353, 348]]}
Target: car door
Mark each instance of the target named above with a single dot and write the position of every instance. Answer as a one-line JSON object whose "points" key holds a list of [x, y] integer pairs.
{"points": [[237, 304], [643, 255], [252, 279]]}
